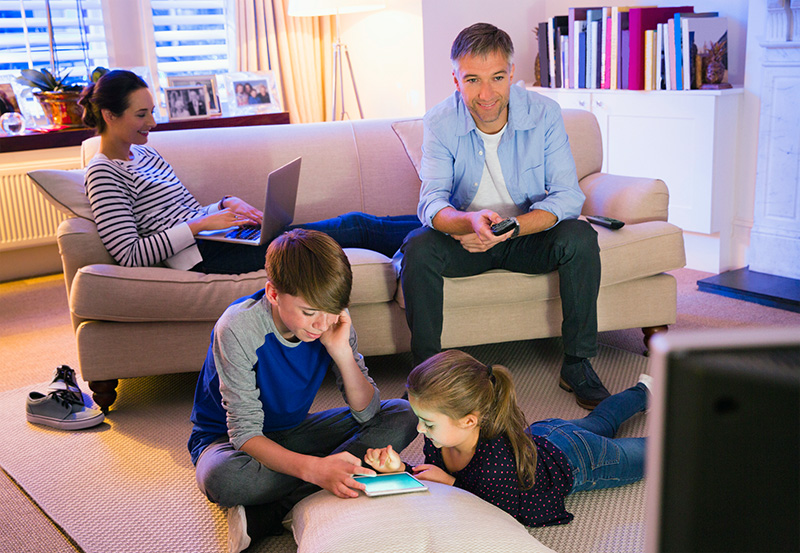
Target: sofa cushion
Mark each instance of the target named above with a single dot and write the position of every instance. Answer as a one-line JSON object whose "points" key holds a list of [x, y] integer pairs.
{"points": [[445, 519], [65, 190], [410, 134], [153, 294], [625, 254]]}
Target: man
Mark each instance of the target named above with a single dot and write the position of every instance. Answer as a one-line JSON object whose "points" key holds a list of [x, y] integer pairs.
{"points": [[490, 152]]}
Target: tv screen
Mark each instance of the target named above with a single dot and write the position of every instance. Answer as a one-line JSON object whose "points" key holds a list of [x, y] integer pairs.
{"points": [[723, 457]]}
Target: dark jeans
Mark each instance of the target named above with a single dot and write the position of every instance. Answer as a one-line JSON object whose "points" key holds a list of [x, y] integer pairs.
{"points": [[228, 476], [351, 230], [597, 459], [569, 248]]}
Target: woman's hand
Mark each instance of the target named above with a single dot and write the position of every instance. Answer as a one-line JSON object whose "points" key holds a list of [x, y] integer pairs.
{"points": [[432, 473], [244, 211], [384, 459], [219, 220]]}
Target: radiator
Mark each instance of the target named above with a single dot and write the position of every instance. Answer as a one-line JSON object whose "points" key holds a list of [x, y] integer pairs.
{"points": [[27, 218]]}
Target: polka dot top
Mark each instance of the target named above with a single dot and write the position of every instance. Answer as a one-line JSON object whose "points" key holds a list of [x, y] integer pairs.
{"points": [[492, 475]]}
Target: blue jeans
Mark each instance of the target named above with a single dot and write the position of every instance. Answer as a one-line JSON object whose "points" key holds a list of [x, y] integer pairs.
{"points": [[597, 459], [228, 476], [351, 230]]}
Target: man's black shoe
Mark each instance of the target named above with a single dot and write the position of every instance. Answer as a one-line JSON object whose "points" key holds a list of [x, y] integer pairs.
{"points": [[581, 379]]}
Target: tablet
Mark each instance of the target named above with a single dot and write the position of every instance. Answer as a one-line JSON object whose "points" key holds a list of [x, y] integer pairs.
{"points": [[390, 483]]}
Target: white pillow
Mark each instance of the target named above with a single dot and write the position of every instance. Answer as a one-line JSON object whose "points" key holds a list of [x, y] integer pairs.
{"points": [[410, 134], [65, 190], [444, 519]]}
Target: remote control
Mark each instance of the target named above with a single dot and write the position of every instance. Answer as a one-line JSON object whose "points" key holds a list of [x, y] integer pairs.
{"points": [[504, 226], [607, 222]]}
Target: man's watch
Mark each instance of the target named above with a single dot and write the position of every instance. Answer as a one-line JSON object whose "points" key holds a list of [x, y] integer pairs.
{"points": [[516, 228]]}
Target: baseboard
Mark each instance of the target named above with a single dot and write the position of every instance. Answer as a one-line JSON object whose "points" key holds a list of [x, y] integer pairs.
{"points": [[29, 262]]}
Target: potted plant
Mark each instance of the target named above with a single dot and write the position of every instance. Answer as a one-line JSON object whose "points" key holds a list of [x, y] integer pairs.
{"points": [[58, 99]]}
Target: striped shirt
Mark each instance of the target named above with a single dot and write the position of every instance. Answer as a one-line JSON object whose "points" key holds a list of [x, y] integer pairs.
{"points": [[141, 207]]}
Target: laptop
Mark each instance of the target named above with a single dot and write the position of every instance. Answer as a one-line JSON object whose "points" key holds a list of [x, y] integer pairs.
{"points": [[279, 201]]}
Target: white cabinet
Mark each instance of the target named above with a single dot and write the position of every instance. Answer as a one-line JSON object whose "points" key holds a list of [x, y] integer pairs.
{"points": [[685, 138]]}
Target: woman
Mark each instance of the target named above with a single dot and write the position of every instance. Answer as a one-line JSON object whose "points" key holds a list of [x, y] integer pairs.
{"points": [[144, 214]]}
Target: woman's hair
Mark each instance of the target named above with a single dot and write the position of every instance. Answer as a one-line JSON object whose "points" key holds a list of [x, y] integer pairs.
{"points": [[456, 384], [310, 264], [481, 39], [112, 92]]}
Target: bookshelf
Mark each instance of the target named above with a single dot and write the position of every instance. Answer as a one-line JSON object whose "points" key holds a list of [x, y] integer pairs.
{"points": [[685, 138]]}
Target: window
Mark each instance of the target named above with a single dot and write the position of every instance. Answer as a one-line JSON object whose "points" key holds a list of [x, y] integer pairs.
{"points": [[78, 36], [191, 37]]}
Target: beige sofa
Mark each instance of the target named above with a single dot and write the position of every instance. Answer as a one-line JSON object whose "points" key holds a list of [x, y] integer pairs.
{"points": [[132, 322]]}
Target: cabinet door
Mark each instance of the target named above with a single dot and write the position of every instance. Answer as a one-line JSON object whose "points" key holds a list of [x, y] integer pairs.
{"points": [[567, 98], [687, 140]]}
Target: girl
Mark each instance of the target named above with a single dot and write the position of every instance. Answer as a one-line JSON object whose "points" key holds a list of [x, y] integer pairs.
{"points": [[144, 214], [476, 438]]}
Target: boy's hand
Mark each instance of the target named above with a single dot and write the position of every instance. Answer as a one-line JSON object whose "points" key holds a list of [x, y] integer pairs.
{"points": [[432, 473], [336, 338], [335, 474], [384, 459]]}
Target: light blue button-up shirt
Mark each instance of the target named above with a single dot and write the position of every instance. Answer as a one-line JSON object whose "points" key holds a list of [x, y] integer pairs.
{"points": [[534, 154]]}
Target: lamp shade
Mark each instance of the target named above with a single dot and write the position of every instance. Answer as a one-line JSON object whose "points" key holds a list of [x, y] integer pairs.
{"points": [[306, 8]]}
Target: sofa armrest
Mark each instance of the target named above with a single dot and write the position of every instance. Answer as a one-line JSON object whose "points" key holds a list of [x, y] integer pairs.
{"points": [[79, 245], [630, 199]]}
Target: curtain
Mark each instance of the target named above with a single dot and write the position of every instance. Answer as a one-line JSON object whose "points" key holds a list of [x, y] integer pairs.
{"points": [[298, 50]]}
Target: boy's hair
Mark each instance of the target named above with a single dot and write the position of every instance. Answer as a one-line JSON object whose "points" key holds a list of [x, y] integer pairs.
{"points": [[456, 384], [311, 265], [482, 39]]}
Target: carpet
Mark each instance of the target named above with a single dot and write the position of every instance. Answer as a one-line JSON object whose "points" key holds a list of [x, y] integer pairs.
{"points": [[128, 484]]}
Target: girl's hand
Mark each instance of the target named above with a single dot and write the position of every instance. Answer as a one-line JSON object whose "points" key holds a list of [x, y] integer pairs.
{"points": [[432, 473], [384, 459]]}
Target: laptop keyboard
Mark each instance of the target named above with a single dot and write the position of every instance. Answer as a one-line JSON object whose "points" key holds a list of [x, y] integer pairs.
{"points": [[246, 232]]}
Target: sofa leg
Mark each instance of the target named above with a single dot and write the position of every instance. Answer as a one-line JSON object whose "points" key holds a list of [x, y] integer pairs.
{"points": [[105, 393], [649, 331]]}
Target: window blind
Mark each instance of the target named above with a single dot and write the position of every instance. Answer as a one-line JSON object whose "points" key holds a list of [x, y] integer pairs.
{"points": [[191, 37], [78, 36]]}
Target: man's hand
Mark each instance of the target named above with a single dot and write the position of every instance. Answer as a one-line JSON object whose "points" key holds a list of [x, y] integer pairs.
{"points": [[335, 474], [384, 459], [432, 473], [482, 239]]}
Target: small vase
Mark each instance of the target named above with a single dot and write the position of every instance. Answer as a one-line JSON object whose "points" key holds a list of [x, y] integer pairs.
{"points": [[61, 108]]}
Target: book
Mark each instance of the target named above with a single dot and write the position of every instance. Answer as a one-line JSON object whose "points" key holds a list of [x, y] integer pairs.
{"points": [[659, 82], [668, 56], [639, 21], [682, 38], [673, 85], [559, 30], [579, 28], [582, 59], [607, 56], [706, 33], [606, 12], [649, 56], [544, 66], [574, 15], [617, 13], [593, 17], [625, 57]]}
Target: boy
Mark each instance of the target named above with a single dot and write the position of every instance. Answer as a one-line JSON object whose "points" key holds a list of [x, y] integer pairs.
{"points": [[256, 448]]}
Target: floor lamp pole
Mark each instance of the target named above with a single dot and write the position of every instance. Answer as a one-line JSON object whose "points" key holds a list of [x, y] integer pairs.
{"points": [[338, 76]]}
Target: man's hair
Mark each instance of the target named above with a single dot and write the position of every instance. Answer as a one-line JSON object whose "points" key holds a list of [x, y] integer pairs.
{"points": [[482, 39], [311, 265]]}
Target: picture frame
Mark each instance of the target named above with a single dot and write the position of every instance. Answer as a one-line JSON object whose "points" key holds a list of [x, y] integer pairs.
{"points": [[186, 102], [252, 92], [8, 99], [208, 81]]}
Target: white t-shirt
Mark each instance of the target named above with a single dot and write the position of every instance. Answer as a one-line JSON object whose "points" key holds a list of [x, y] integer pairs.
{"points": [[492, 191]]}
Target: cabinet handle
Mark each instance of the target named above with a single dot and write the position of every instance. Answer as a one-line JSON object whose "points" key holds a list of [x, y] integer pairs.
{"points": [[598, 103], [582, 103]]}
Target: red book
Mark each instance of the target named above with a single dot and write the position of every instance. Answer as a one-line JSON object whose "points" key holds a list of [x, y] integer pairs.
{"points": [[639, 21], [607, 65]]}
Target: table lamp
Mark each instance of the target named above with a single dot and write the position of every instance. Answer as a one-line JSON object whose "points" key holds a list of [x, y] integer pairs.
{"points": [[308, 8]]}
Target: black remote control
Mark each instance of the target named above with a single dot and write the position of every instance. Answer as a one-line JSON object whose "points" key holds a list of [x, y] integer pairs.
{"points": [[503, 226], [607, 222]]}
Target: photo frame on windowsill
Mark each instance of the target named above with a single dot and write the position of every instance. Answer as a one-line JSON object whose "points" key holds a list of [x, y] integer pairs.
{"points": [[186, 102], [251, 93], [208, 81]]}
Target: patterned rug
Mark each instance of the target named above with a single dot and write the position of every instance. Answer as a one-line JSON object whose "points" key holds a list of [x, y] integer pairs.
{"points": [[128, 484]]}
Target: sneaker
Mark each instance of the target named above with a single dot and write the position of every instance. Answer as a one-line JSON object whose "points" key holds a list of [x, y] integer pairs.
{"points": [[57, 409], [64, 380], [581, 379], [238, 540], [647, 381]]}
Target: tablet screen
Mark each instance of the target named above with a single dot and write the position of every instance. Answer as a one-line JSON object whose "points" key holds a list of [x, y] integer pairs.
{"points": [[390, 483]]}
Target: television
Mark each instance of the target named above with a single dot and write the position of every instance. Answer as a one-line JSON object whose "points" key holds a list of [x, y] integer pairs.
{"points": [[723, 456]]}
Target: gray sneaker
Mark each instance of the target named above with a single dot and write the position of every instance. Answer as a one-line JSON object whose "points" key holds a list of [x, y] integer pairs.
{"points": [[64, 380], [57, 409]]}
